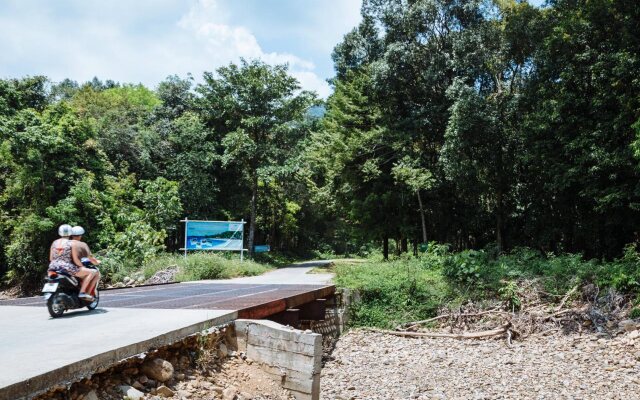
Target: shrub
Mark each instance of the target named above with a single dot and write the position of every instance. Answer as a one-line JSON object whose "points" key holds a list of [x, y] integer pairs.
{"points": [[198, 266], [392, 292], [472, 268]]}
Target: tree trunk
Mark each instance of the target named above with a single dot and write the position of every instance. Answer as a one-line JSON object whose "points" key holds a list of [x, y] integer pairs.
{"points": [[424, 224], [405, 246], [499, 237], [252, 223], [385, 248]]}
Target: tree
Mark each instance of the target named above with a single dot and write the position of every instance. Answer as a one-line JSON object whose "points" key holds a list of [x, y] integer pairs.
{"points": [[483, 139], [256, 110]]}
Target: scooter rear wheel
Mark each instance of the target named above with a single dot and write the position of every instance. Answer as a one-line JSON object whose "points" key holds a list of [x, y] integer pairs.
{"points": [[95, 302], [55, 306]]}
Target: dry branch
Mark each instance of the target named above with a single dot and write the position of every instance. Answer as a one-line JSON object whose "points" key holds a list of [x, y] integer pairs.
{"points": [[476, 335], [566, 297], [415, 324]]}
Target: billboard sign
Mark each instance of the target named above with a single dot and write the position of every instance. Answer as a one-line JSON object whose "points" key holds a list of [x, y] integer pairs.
{"points": [[214, 235]]}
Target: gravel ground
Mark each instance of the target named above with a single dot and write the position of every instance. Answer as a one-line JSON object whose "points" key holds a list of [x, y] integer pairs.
{"points": [[368, 365]]}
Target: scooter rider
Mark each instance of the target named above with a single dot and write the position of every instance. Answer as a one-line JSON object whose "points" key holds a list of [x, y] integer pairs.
{"points": [[84, 252], [63, 257]]}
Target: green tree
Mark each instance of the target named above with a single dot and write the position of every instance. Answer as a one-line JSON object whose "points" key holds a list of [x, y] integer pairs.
{"points": [[256, 110]]}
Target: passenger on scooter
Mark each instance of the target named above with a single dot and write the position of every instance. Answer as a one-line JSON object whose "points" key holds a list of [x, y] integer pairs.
{"points": [[84, 252], [63, 257]]}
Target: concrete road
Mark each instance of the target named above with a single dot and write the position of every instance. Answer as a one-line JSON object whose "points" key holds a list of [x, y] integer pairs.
{"points": [[298, 274], [37, 352]]}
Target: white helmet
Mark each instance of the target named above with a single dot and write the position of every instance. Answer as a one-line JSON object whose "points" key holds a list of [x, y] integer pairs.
{"points": [[64, 230], [77, 231]]}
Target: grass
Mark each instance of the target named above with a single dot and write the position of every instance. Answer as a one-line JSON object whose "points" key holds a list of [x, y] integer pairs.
{"points": [[198, 266], [392, 292], [331, 267]]}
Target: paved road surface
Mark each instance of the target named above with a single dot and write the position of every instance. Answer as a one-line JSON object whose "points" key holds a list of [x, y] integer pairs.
{"points": [[36, 350]]}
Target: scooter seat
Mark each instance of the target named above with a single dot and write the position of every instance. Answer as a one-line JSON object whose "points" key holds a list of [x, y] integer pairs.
{"points": [[53, 274]]}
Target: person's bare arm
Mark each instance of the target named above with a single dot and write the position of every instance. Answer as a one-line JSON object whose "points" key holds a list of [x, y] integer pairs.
{"points": [[74, 255], [90, 256]]}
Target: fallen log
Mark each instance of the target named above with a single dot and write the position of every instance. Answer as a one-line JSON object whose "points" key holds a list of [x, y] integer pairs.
{"points": [[410, 325], [476, 335], [566, 297]]}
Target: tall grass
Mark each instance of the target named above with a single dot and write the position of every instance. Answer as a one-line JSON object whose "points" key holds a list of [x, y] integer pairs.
{"points": [[198, 266]]}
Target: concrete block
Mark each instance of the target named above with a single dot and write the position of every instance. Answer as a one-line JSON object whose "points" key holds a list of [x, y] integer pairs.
{"points": [[276, 331], [284, 345], [293, 380], [293, 361], [292, 357]]}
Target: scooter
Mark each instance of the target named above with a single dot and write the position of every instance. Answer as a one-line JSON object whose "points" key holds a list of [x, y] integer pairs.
{"points": [[61, 292]]}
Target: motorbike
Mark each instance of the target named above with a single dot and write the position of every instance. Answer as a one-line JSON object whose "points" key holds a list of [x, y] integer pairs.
{"points": [[61, 292]]}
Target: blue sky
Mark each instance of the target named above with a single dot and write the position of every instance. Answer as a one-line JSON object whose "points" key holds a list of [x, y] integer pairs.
{"points": [[147, 40]]}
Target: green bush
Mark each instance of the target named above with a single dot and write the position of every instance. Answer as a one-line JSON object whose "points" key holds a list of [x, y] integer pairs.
{"points": [[472, 268], [198, 266], [392, 292]]}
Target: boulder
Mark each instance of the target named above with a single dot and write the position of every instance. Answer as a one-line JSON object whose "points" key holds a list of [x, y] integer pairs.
{"points": [[130, 392], [229, 393], [628, 325], [158, 369], [223, 352], [92, 395], [164, 391]]}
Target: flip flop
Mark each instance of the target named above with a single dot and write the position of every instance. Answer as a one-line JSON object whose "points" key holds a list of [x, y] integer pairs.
{"points": [[86, 297]]}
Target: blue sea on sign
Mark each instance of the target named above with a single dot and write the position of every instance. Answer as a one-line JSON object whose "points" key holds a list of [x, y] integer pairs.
{"points": [[213, 235]]}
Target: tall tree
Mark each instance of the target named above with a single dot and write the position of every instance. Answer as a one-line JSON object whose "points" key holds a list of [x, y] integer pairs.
{"points": [[256, 109]]}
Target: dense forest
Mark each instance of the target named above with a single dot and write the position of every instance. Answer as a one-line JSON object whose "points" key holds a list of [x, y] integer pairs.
{"points": [[480, 124]]}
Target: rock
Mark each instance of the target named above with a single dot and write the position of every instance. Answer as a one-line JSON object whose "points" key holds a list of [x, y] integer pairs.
{"points": [[130, 392], [634, 334], [130, 371], [245, 396], [92, 395], [143, 379], [158, 369], [180, 376], [138, 385], [164, 391], [628, 325], [222, 350], [217, 389], [229, 393]]}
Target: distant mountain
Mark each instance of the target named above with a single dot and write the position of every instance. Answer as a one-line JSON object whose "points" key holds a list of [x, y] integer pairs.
{"points": [[316, 112]]}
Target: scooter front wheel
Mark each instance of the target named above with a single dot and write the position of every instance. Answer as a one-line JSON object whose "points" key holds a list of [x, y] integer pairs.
{"points": [[55, 306], [95, 301]]}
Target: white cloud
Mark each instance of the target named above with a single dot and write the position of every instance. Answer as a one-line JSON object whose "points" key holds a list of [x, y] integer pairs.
{"points": [[208, 24], [131, 41]]}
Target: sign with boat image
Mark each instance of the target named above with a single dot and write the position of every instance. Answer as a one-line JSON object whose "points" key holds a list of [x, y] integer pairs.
{"points": [[214, 235]]}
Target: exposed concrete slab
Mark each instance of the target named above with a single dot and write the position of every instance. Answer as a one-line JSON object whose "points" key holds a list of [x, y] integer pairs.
{"points": [[292, 356], [38, 352]]}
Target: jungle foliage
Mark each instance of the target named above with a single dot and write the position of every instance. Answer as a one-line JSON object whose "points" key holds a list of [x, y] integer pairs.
{"points": [[487, 125]]}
